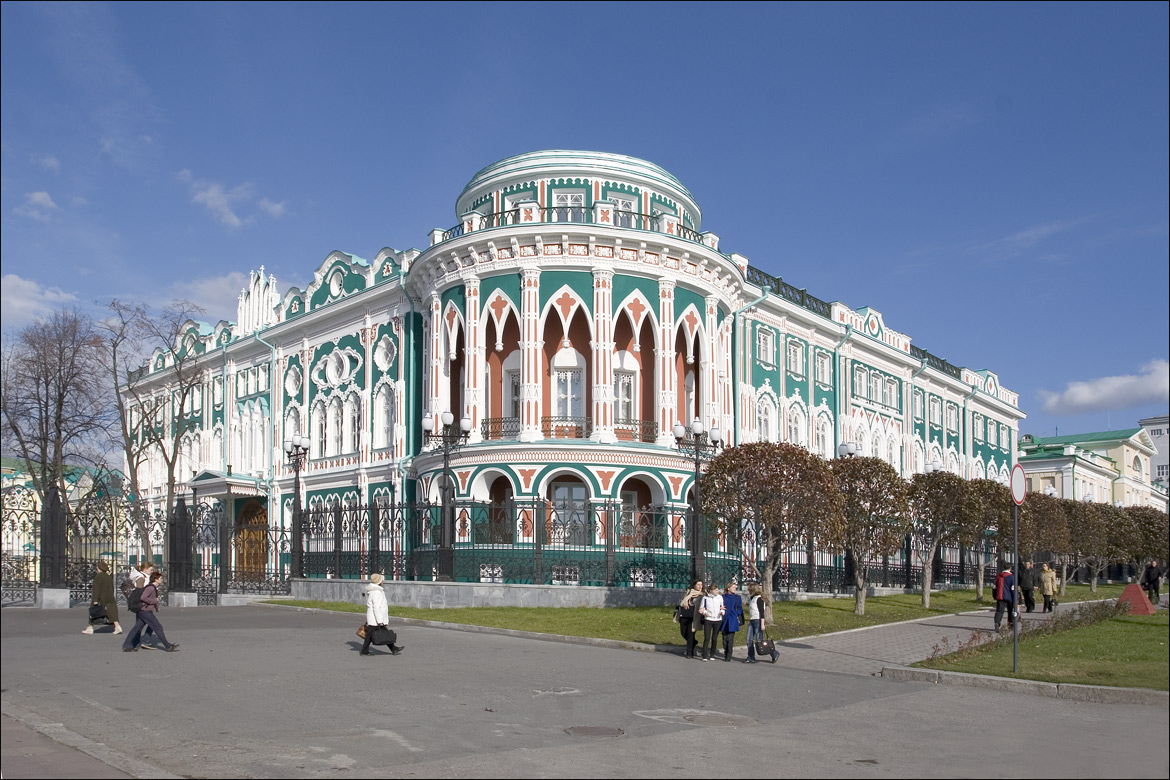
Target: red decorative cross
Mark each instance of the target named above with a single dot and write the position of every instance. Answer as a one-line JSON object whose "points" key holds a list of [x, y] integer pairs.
{"points": [[566, 303], [498, 305], [636, 308]]}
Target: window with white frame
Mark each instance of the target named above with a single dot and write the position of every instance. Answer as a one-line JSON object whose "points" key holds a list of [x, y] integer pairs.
{"points": [[568, 206], [890, 396], [336, 416], [796, 357], [796, 427], [765, 415], [567, 398], [992, 433], [824, 445], [823, 367], [383, 417], [875, 387], [977, 426], [917, 405], [623, 396], [512, 398], [623, 209], [860, 382], [952, 417], [935, 412], [765, 345]]}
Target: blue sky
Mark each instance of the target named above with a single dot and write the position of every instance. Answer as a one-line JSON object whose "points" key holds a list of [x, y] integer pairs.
{"points": [[992, 177]]}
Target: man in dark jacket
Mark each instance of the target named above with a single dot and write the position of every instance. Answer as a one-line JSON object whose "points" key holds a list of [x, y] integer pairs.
{"points": [[1005, 596], [1028, 580], [1151, 579]]}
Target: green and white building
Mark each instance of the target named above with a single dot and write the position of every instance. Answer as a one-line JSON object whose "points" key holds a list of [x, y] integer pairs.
{"points": [[577, 311]]}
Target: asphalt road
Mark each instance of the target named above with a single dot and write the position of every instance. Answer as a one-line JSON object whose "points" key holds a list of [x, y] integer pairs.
{"points": [[270, 692]]}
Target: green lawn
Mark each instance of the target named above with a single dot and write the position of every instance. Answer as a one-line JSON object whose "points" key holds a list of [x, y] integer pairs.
{"points": [[653, 625], [1131, 651]]}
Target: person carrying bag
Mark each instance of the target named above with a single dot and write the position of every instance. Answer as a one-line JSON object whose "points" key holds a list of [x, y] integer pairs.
{"points": [[758, 642], [377, 616]]}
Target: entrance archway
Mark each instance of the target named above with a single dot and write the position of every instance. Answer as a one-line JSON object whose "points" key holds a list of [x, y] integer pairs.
{"points": [[251, 542]]}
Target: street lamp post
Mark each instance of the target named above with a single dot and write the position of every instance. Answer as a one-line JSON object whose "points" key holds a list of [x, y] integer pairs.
{"points": [[297, 450], [449, 439], [700, 445]]}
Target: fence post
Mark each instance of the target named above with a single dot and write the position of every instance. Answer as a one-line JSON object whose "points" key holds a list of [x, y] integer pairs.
{"points": [[225, 552], [537, 543], [337, 523], [810, 557], [374, 518], [611, 527], [53, 541]]}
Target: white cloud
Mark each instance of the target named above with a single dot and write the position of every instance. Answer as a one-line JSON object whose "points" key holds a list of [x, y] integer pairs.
{"points": [[37, 205], [275, 210], [216, 295], [23, 300], [221, 202], [227, 204], [1151, 384], [46, 161]]}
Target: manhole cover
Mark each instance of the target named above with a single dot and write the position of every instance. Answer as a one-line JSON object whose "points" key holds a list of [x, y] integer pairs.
{"points": [[593, 731]]}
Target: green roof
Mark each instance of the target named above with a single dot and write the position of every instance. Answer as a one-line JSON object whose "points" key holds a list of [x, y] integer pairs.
{"points": [[1084, 438]]}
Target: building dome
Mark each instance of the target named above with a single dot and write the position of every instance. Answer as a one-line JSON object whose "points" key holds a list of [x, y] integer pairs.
{"points": [[569, 164]]}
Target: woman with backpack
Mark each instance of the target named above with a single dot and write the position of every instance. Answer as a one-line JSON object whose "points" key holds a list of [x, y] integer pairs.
{"points": [[686, 616], [757, 609], [147, 617]]}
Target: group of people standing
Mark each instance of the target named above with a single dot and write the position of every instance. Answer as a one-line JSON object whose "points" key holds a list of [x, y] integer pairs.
{"points": [[1005, 591], [720, 615]]}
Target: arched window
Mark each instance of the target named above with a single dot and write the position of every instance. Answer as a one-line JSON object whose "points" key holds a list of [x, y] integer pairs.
{"points": [[335, 427], [765, 415], [351, 437], [320, 435], [823, 445], [384, 418], [796, 427], [1138, 471]]}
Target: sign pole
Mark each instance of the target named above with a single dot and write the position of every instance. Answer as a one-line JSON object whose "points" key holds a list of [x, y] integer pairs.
{"points": [[1019, 488]]}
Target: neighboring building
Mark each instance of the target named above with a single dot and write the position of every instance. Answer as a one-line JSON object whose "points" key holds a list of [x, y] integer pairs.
{"points": [[1158, 429], [572, 317], [1103, 467]]}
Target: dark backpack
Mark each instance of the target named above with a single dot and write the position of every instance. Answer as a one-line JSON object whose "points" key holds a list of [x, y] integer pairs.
{"points": [[134, 600], [126, 586]]}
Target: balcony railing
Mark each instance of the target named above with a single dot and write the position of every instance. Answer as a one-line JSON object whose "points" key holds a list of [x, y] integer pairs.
{"points": [[636, 430], [504, 428], [573, 215]]}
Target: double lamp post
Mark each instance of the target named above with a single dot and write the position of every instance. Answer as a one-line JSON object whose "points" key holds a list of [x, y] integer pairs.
{"points": [[448, 439], [701, 445]]}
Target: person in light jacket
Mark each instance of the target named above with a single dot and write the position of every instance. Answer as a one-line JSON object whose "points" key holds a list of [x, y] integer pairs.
{"points": [[377, 612], [757, 621], [1048, 587], [711, 609]]}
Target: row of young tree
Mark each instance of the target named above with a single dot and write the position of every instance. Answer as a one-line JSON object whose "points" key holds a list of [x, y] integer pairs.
{"points": [[863, 507], [63, 414]]}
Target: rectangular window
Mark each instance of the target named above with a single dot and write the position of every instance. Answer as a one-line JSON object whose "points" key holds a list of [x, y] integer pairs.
{"points": [[624, 215], [765, 346], [952, 418], [859, 382], [935, 412], [875, 387], [890, 398], [1163, 471], [824, 365], [977, 427], [568, 206], [917, 405], [796, 358], [512, 402], [623, 396], [567, 401], [992, 431]]}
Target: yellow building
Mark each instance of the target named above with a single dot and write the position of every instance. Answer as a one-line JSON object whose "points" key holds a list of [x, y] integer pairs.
{"points": [[1103, 467]]}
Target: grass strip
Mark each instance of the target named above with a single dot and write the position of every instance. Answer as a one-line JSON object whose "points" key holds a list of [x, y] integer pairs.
{"points": [[1129, 651], [653, 625]]}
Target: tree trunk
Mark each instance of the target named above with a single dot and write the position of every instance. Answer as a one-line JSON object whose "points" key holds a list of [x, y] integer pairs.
{"points": [[859, 585], [1063, 575], [978, 576], [928, 574]]}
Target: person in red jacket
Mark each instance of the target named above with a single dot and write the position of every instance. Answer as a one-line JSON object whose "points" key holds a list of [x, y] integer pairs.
{"points": [[1005, 596]]}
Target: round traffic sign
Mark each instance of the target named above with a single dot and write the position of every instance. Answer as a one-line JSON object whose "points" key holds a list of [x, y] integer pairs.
{"points": [[1019, 484]]}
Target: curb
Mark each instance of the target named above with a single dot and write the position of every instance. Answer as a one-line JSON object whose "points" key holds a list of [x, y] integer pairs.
{"points": [[1101, 694]]}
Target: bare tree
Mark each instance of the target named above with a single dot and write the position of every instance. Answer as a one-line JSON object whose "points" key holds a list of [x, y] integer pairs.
{"points": [[56, 415], [936, 504], [986, 507], [787, 491], [874, 517], [158, 394]]}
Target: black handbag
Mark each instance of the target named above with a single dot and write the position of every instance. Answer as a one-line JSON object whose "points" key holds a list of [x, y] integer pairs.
{"points": [[97, 613], [382, 636], [764, 645]]}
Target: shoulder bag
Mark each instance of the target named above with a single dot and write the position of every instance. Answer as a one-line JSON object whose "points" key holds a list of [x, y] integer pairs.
{"points": [[764, 645]]}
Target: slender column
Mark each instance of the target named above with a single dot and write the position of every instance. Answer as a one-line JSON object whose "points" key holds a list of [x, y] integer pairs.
{"points": [[602, 348], [707, 373], [667, 381], [435, 374], [530, 343], [473, 390]]}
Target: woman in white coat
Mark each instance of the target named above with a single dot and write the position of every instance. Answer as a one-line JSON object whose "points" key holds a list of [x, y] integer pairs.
{"points": [[377, 614]]}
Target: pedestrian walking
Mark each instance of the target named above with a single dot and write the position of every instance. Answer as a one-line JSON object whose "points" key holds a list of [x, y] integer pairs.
{"points": [[103, 594], [1151, 580], [1005, 596], [732, 617], [1048, 587], [711, 610], [378, 617], [757, 621], [1028, 581], [148, 618], [141, 572], [688, 619]]}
